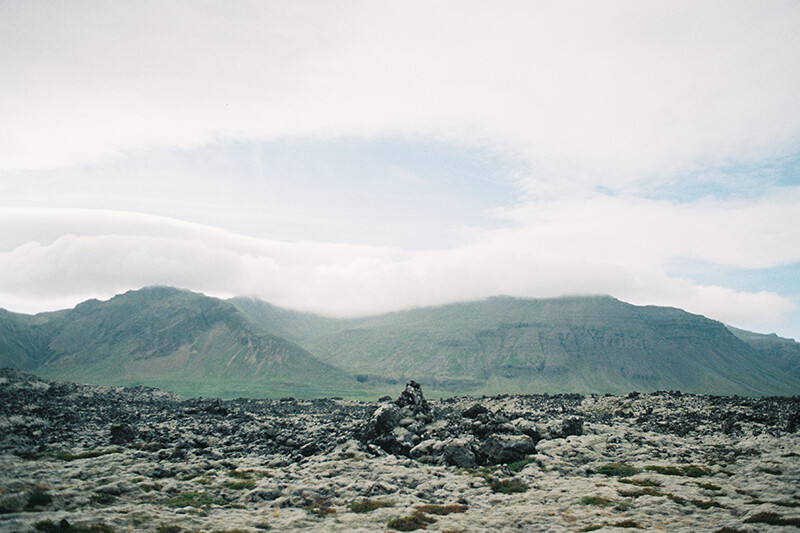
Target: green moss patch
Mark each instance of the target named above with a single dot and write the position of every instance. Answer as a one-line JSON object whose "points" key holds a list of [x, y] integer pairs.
{"points": [[38, 498], [773, 519], [596, 500], [412, 522], [617, 470], [641, 482], [244, 484], [442, 509], [519, 465], [688, 470], [508, 486], [365, 506]]}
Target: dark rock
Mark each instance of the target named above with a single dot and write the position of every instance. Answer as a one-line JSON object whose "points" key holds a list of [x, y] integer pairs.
{"points": [[793, 422], [385, 418], [560, 429], [458, 452], [216, 408], [412, 398], [122, 434], [526, 427], [474, 410], [308, 449], [502, 449]]}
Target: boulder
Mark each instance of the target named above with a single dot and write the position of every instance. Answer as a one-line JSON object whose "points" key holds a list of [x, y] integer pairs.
{"points": [[384, 419], [526, 427], [458, 452], [122, 434], [559, 429], [474, 410], [502, 449]]}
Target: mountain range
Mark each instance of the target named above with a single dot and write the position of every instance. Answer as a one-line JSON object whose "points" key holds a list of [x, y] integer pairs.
{"points": [[196, 345]]}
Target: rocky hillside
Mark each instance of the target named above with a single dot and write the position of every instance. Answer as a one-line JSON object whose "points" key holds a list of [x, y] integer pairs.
{"points": [[86, 458]]}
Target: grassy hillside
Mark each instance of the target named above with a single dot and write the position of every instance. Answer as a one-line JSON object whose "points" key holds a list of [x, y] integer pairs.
{"points": [[184, 342], [21, 344], [195, 345], [778, 351], [581, 344]]}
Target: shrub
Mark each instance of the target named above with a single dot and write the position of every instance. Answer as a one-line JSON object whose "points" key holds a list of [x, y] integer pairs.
{"points": [[412, 522], [696, 471], [38, 498], [103, 498], [689, 470], [641, 482], [10, 505], [519, 465], [365, 506], [617, 469], [238, 474], [596, 500], [645, 491], [665, 470], [705, 504], [147, 487], [442, 509], [773, 519], [507, 486], [172, 528], [626, 523], [241, 485]]}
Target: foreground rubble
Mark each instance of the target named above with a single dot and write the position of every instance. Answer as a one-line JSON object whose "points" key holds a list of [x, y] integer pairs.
{"points": [[85, 458]]}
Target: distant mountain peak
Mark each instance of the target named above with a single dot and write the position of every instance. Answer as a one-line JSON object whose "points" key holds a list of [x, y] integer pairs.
{"points": [[195, 344]]}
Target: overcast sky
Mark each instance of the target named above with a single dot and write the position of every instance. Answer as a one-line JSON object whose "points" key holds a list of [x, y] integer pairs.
{"points": [[359, 157]]}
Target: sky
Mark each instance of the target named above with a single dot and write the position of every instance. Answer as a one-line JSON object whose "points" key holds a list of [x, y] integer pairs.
{"points": [[350, 158]]}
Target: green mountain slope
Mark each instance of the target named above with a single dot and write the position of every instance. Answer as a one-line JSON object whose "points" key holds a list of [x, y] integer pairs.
{"points": [[21, 343], [184, 342], [581, 344], [778, 351], [195, 345]]}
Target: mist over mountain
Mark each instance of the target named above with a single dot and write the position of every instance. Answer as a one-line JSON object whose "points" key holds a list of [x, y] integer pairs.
{"points": [[197, 345]]}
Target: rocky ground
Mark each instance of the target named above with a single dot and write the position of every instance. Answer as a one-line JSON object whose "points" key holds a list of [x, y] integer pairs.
{"points": [[84, 458]]}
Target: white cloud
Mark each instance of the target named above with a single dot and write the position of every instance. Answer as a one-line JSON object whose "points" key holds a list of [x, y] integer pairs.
{"points": [[617, 95], [338, 279], [605, 93]]}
